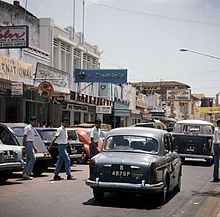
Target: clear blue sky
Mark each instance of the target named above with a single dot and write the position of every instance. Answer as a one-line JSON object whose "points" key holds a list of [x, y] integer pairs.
{"points": [[145, 36]]}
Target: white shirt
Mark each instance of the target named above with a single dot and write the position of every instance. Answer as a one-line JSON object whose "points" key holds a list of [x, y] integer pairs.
{"points": [[62, 136], [95, 134], [29, 131], [216, 139]]}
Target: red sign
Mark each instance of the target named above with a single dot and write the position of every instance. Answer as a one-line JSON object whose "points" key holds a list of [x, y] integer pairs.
{"points": [[14, 36], [45, 89]]}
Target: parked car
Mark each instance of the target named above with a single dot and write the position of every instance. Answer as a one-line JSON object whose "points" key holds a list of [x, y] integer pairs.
{"points": [[11, 156], [84, 137], [42, 156], [154, 124], [193, 139], [87, 125], [136, 159]]}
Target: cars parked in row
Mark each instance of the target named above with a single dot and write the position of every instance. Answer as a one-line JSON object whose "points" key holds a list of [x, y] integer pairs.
{"points": [[193, 139], [136, 159], [48, 134], [13, 134], [11, 156], [152, 124]]}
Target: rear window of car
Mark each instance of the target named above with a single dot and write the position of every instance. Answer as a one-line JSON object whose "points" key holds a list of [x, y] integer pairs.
{"points": [[47, 135], [193, 129], [18, 131], [131, 143]]}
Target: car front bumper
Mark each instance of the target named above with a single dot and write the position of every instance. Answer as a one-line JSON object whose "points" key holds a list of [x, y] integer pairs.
{"points": [[13, 166], [157, 187]]}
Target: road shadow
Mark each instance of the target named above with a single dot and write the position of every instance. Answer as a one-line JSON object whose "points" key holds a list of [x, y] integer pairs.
{"points": [[215, 194], [128, 201], [10, 183]]}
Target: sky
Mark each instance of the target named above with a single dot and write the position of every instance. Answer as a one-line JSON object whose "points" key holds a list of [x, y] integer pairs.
{"points": [[145, 36]]}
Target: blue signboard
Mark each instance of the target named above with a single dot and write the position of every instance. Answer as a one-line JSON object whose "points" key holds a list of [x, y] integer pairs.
{"points": [[101, 75]]}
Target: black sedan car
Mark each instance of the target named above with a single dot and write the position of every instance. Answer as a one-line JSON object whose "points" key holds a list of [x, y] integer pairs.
{"points": [[48, 134], [136, 159]]}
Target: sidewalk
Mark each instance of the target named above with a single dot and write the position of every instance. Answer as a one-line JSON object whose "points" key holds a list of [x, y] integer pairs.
{"points": [[211, 205]]}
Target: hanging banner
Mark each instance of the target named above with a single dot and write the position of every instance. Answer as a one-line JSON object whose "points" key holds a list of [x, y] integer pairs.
{"points": [[207, 110], [103, 109], [14, 37], [45, 89]]}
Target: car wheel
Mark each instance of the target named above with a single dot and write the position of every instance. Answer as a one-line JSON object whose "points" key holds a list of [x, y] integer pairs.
{"points": [[4, 177], [163, 196], [182, 159], [39, 168], [98, 194], [209, 162]]}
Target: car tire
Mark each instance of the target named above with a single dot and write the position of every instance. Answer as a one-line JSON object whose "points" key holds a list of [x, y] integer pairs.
{"points": [[209, 162], [39, 168], [4, 176], [98, 194]]}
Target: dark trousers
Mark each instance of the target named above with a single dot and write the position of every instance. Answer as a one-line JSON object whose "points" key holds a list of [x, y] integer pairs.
{"points": [[93, 148], [216, 161]]}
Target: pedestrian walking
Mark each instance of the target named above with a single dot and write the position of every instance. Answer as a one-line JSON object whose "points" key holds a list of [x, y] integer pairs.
{"points": [[61, 139], [30, 149], [216, 144], [94, 137]]}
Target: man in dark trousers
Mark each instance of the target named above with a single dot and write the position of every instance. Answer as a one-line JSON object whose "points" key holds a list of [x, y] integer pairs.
{"points": [[94, 137], [216, 144], [61, 139]]}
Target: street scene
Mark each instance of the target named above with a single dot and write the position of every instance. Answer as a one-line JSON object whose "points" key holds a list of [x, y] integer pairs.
{"points": [[109, 108]]}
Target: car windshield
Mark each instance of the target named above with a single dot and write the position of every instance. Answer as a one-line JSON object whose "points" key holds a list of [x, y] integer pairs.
{"points": [[72, 135], [18, 131], [103, 134], [131, 143], [47, 135]]}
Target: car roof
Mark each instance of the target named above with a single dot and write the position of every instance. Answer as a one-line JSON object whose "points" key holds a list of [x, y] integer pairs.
{"points": [[46, 128], [140, 131], [12, 125], [192, 121]]}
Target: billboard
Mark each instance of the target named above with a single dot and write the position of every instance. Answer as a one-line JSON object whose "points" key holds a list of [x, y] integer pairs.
{"points": [[179, 95], [14, 37], [101, 75], [207, 110]]}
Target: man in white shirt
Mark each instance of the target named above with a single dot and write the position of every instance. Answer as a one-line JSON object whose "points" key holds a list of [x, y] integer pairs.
{"points": [[216, 144], [94, 137], [61, 139], [30, 149]]}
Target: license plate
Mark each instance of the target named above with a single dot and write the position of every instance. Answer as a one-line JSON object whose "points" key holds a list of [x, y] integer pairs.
{"points": [[121, 173], [8, 157], [190, 149]]}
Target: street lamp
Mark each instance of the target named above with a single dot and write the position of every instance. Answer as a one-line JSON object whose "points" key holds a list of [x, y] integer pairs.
{"points": [[203, 54]]}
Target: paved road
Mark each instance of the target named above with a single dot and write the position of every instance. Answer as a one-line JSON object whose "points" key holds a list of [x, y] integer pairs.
{"points": [[42, 197]]}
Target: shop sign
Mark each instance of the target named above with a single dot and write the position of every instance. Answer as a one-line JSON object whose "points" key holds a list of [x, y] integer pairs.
{"points": [[207, 110], [101, 75], [57, 98], [179, 95], [15, 70], [45, 89], [141, 101], [77, 107], [103, 109], [14, 37], [17, 89], [58, 78]]}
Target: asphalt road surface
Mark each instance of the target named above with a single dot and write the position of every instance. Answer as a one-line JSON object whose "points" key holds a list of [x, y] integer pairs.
{"points": [[42, 197]]}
